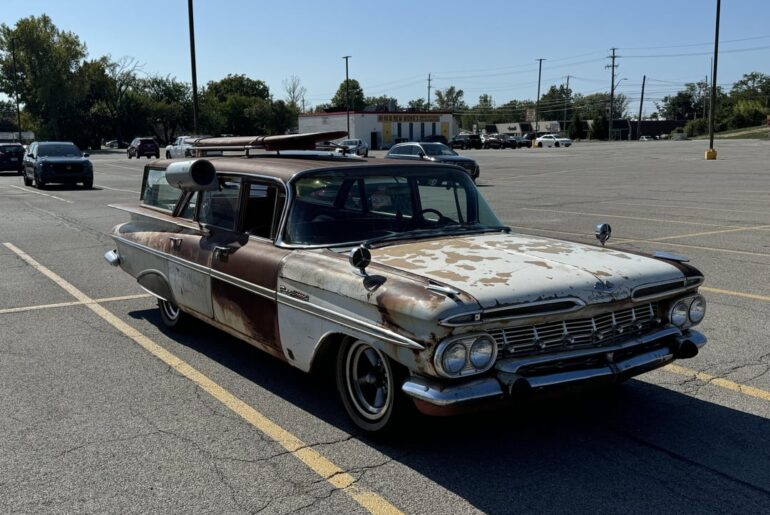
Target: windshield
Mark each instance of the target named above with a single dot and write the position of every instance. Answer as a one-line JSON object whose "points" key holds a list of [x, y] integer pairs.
{"points": [[59, 150], [437, 149], [334, 208]]}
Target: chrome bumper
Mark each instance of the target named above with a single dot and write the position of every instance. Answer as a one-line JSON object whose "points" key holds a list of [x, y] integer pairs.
{"points": [[511, 379]]}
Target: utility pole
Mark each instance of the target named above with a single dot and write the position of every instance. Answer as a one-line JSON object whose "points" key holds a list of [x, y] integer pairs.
{"points": [[711, 153], [612, 90], [641, 102], [192, 61], [347, 91], [564, 124], [16, 87], [537, 102], [705, 92], [429, 92]]}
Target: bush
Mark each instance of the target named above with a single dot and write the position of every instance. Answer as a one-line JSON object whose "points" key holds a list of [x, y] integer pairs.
{"points": [[696, 127]]}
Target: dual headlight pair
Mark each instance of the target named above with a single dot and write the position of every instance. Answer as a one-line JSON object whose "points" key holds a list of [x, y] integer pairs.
{"points": [[688, 311], [465, 355]]}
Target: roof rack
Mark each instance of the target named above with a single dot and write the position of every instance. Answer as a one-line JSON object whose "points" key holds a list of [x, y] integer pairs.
{"points": [[307, 141]]}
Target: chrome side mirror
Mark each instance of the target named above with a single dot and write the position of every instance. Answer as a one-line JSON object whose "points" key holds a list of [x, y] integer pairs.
{"points": [[603, 233], [360, 258]]}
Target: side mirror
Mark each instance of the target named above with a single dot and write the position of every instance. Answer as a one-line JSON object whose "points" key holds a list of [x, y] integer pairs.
{"points": [[421, 154], [360, 258], [603, 233]]}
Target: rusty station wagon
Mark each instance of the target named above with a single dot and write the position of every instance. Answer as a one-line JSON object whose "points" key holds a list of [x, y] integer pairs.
{"points": [[398, 275]]}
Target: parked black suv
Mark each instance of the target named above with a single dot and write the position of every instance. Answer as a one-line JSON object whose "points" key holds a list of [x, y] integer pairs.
{"points": [[11, 157], [143, 147], [57, 161], [466, 141], [435, 138]]}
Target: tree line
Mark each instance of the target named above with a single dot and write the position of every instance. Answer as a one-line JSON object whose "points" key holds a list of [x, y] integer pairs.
{"points": [[66, 95]]}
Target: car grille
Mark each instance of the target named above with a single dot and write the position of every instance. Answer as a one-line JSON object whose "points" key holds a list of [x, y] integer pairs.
{"points": [[596, 331], [67, 168]]}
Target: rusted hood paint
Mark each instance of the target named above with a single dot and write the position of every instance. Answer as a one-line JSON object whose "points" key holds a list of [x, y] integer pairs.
{"points": [[505, 269]]}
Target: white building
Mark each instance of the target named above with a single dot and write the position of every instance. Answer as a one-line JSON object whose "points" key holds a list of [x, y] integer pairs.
{"points": [[383, 129]]}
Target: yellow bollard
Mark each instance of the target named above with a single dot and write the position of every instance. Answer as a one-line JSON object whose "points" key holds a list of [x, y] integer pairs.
{"points": [[711, 154]]}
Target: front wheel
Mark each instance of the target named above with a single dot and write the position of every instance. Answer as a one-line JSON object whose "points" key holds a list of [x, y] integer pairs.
{"points": [[172, 316], [27, 180], [168, 155], [368, 387], [88, 184]]}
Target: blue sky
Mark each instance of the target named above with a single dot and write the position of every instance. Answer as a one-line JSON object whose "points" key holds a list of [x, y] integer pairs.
{"points": [[480, 47]]}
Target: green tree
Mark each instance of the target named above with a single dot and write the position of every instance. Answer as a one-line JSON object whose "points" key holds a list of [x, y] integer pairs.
{"points": [[168, 104], [381, 103], [450, 99], [239, 85], [418, 104], [47, 62], [600, 127], [553, 102], [576, 130], [357, 99]]}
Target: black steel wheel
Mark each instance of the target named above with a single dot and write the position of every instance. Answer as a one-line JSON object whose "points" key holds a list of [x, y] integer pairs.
{"points": [[172, 316], [368, 387]]}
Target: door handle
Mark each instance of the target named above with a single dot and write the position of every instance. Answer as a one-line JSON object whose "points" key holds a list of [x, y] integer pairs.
{"points": [[175, 242], [221, 253]]}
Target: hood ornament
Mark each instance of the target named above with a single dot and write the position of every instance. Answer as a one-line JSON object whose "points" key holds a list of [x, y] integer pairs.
{"points": [[603, 233]]}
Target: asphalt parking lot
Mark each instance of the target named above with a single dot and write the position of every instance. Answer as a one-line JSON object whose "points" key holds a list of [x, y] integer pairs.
{"points": [[103, 410]]}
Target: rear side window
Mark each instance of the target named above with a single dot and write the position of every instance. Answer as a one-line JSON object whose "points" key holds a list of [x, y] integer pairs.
{"points": [[157, 192]]}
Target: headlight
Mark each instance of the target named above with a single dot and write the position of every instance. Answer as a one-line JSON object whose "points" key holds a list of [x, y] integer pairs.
{"points": [[453, 359], [482, 352], [697, 310], [678, 314], [465, 355]]}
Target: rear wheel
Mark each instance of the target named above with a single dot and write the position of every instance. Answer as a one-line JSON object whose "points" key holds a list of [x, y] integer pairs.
{"points": [[368, 387], [168, 154], [172, 316], [556, 144], [129, 155]]}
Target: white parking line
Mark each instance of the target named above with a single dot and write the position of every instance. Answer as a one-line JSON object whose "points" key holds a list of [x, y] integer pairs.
{"points": [[27, 190], [73, 303], [115, 189], [123, 167]]}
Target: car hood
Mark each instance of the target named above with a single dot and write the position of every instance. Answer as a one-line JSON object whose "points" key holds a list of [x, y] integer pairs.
{"points": [[63, 159], [506, 269]]}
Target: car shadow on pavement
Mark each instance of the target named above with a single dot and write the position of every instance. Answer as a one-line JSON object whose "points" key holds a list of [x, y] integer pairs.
{"points": [[635, 447]]}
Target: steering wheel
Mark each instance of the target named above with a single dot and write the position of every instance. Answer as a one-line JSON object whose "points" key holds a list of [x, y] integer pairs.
{"points": [[442, 220]]}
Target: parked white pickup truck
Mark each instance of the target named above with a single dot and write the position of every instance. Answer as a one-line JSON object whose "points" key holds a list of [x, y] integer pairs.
{"points": [[181, 147]]}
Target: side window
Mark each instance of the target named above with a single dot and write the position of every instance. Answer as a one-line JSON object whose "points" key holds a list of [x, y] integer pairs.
{"points": [[262, 209], [220, 208], [157, 192], [189, 208]]}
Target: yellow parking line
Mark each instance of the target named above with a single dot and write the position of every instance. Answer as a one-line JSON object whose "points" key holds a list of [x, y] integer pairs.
{"points": [[314, 460], [704, 233], [73, 303], [718, 381], [704, 224], [753, 296]]}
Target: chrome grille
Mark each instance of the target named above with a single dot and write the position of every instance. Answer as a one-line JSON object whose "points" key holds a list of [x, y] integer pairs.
{"points": [[595, 331]]}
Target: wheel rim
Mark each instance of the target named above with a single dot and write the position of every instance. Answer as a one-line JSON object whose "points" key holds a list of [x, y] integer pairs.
{"points": [[369, 382], [171, 311]]}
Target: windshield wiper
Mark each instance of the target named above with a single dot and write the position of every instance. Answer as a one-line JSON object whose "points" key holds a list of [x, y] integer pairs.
{"points": [[437, 231]]}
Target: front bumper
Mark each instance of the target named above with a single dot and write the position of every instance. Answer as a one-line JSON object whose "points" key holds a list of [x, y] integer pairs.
{"points": [[517, 375]]}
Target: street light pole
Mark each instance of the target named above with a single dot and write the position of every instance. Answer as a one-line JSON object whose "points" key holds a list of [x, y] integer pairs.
{"points": [[192, 61], [537, 102], [347, 91], [16, 86], [711, 153]]}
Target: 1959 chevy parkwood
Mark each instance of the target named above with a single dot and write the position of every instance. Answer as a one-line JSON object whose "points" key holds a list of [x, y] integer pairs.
{"points": [[398, 275]]}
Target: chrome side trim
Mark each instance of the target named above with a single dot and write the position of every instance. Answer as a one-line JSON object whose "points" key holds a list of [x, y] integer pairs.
{"points": [[440, 395], [512, 366], [240, 283], [348, 322], [189, 264]]}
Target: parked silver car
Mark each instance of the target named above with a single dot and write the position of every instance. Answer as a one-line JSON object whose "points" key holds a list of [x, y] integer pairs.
{"points": [[354, 146]]}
